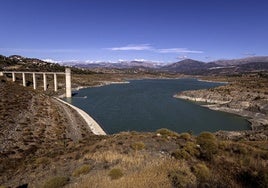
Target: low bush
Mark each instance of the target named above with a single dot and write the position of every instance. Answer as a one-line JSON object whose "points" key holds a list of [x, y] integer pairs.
{"points": [[115, 173], [192, 149], [185, 136], [138, 146], [81, 170], [166, 132], [56, 182], [202, 172], [208, 144], [182, 178], [180, 154]]}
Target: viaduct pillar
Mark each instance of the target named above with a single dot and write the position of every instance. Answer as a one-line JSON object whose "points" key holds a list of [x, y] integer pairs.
{"points": [[34, 81], [13, 77], [55, 82], [23, 79], [68, 83], [45, 81]]}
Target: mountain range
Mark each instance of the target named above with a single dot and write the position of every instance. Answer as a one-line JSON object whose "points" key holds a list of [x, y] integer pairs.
{"points": [[186, 66], [190, 66]]}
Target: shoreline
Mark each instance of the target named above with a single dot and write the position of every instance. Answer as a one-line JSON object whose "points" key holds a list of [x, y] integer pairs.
{"points": [[211, 81], [92, 124]]}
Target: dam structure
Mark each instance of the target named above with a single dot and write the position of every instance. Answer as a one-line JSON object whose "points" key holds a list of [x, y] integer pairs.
{"points": [[67, 74]]}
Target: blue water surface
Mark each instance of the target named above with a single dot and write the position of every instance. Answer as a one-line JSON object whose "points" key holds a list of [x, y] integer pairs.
{"points": [[147, 105]]}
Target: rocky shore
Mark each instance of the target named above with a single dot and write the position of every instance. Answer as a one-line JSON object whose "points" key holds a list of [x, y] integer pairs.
{"points": [[247, 98]]}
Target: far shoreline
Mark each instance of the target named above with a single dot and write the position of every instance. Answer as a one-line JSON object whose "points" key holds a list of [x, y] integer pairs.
{"points": [[213, 106]]}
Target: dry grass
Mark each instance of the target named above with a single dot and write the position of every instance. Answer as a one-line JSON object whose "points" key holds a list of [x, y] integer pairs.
{"points": [[81, 170], [126, 161], [154, 174], [56, 182]]}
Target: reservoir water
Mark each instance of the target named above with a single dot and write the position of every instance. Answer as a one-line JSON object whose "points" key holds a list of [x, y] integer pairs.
{"points": [[147, 105]]}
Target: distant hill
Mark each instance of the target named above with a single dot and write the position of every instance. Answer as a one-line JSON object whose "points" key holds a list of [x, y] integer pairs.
{"points": [[234, 66], [186, 66], [256, 59]]}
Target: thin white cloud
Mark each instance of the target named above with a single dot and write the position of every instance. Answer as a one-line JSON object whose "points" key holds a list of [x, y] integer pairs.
{"points": [[131, 47], [148, 47], [179, 50]]}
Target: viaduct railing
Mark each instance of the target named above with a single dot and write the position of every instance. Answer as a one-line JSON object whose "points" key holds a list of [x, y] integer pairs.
{"points": [[67, 74]]}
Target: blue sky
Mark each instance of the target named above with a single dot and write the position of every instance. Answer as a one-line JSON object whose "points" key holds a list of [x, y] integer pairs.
{"points": [[112, 30]]}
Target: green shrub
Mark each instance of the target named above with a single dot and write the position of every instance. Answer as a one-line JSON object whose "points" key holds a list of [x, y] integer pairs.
{"points": [[56, 182], [138, 146], [81, 170], [192, 149], [202, 172], [180, 154], [115, 173], [182, 178], [185, 136], [223, 145], [208, 144], [166, 132], [206, 135]]}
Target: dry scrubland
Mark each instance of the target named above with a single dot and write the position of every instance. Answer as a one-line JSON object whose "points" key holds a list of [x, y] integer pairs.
{"points": [[43, 145]]}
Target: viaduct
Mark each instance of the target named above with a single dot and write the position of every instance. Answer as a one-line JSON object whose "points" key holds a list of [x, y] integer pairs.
{"points": [[67, 74]]}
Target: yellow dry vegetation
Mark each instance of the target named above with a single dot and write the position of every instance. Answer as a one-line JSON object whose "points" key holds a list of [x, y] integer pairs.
{"points": [[140, 170]]}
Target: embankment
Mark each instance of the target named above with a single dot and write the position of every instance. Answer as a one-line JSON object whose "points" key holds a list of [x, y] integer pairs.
{"points": [[93, 125]]}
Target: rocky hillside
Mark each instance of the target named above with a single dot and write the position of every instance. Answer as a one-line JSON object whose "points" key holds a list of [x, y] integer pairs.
{"points": [[246, 96], [19, 63], [33, 125], [16, 62]]}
